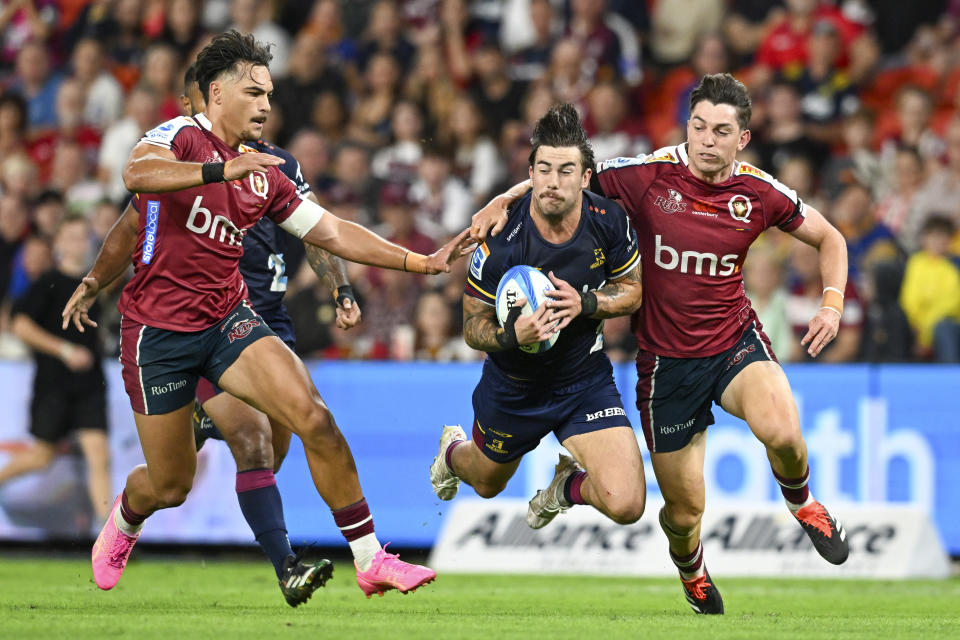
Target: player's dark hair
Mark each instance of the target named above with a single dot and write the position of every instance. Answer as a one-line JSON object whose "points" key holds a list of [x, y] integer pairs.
{"points": [[225, 54], [560, 127], [723, 88], [189, 77]]}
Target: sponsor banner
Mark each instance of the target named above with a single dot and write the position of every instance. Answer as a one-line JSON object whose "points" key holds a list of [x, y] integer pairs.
{"points": [[492, 536]]}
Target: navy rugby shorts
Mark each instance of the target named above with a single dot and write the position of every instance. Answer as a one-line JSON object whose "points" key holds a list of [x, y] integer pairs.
{"points": [[161, 367], [675, 395], [512, 416]]}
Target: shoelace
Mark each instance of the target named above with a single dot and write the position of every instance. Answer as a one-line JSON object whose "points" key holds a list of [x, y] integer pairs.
{"points": [[696, 587], [818, 519], [119, 557]]}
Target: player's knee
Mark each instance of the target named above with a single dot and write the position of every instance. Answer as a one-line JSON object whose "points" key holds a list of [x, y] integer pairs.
{"points": [[488, 489], [682, 518], [626, 508], [319, 430], [785, 443], [172, 496], [252, 449]]}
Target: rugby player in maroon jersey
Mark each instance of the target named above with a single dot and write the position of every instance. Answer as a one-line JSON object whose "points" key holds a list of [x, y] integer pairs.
{"points": [[696, 210], [186, 314]]}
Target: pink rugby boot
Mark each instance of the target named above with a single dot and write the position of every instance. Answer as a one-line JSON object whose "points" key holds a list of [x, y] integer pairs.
{"points": [[388, 571], [111, 551]]}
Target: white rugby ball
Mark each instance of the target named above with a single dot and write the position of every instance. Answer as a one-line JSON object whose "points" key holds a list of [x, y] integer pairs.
{"points": [[523, 281]]}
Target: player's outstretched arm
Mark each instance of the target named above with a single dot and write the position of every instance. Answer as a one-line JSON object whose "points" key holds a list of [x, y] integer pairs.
{"points": [[332, 271], [822, 235], [153, 169], [619, 297], [112, 261], [358, 244], [482, 331], [492, 218]]}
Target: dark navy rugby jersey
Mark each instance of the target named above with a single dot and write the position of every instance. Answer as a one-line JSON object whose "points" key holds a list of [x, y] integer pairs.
{"points": [[262, 265], [603, 248]]}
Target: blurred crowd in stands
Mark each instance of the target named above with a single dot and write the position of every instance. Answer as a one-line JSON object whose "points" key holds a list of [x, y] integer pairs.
{"points": [[408, 115]]}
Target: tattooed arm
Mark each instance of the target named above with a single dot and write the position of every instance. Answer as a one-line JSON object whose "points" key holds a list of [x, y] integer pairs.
{"points": [[482, 330], [332, 272], [480, 325], [619, 297]]}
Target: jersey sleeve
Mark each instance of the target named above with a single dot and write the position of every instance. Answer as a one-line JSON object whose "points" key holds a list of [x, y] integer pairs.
{"points": [[282, 192], [783, 208], [623, 252], [486, 269], [175, 135], [291, 169]]}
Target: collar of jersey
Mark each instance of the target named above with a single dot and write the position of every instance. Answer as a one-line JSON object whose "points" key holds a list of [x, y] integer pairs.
{"points": [[204, 121]]}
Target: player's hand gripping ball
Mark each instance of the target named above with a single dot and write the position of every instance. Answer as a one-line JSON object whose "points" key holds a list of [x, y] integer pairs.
{"points": [[523, 281]]}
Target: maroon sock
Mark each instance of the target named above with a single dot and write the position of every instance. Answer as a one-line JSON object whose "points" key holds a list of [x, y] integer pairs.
{"points": [[354, 521], [795, 490], [448, 456], [132, 518], [571, 490], [689, 565]]}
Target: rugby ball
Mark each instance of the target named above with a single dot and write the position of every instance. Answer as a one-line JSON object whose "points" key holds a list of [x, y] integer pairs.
{"points": [[523, 281]]}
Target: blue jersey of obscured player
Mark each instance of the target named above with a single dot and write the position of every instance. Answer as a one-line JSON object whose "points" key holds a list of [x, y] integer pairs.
{"points": [[262, 264], [603, 248]]}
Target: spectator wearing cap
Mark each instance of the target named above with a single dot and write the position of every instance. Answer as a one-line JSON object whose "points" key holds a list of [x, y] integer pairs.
{"points": [[826, 93]]}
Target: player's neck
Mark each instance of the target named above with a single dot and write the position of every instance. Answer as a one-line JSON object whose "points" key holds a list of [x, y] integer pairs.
{"points": [[715, 177], [219, 129], [557, 229]]}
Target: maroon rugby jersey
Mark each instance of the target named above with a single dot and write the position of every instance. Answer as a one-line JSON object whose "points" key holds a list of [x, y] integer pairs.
{"points": [[186, 275], [693, 240]]}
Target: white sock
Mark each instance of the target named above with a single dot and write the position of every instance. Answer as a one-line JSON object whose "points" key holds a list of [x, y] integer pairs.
{"points": [[364, 549], [124, 526], [794, 507]]}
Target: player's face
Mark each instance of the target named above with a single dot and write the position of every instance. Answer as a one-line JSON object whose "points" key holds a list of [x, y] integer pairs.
{"points": [[192, 101], [713, 139], [558, 181], [243, 100]]}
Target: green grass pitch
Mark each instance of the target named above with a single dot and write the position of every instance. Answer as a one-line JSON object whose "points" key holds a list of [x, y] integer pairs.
{"points": [[177, 599]]}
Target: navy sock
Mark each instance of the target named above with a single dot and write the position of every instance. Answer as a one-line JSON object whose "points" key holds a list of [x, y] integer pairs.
{"points": [[261, 506]]}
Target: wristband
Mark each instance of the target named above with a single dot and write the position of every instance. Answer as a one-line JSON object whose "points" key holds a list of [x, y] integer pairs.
{"points": [[834, 309], [345, 292], [507, 337], [213, 172], [832, 299], [588, 303]]}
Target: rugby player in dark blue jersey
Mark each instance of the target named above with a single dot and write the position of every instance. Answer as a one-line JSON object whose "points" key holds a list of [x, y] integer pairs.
{"points": [[585, 245], [259, 445]]}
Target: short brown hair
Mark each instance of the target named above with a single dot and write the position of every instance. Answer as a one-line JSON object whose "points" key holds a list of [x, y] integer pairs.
{"points": [[723, 88]]}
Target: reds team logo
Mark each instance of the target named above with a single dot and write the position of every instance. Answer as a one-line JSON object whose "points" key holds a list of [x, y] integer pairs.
{"points": [[242, 328], [672, 203], [740, 208], [258, 183]]}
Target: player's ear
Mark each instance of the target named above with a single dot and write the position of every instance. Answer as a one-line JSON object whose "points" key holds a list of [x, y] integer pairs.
{"points": [[585, 178], [744, 139]]}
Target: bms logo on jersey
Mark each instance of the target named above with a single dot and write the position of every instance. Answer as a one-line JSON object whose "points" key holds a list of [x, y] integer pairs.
{"points": [[696, 262], [203, 222]]}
